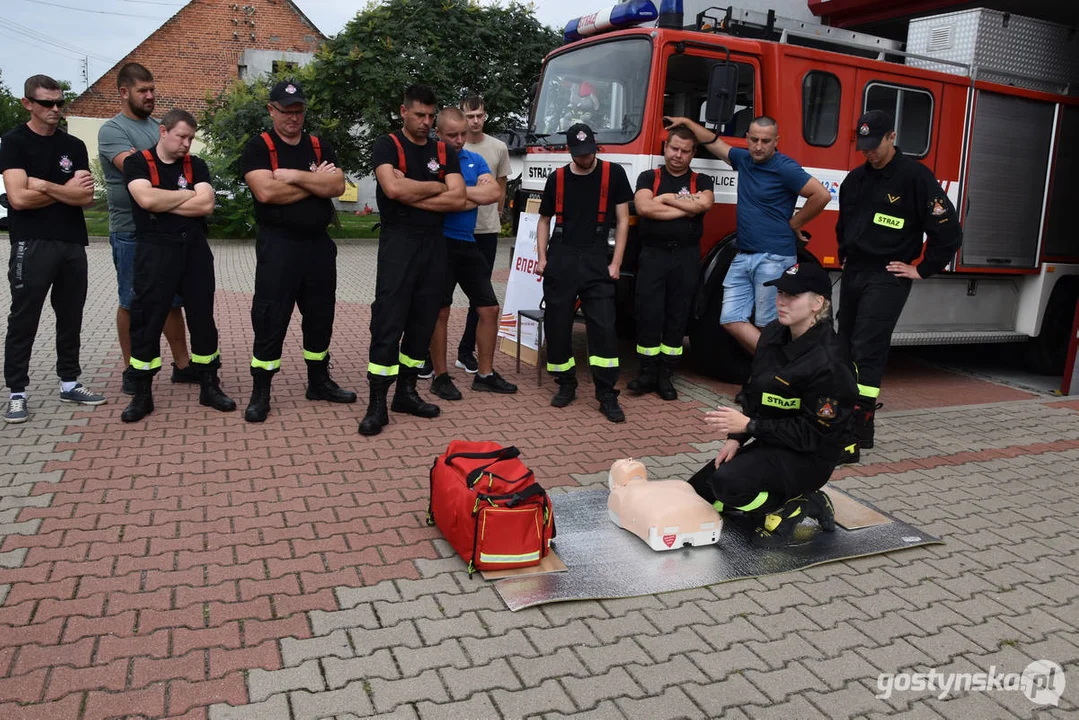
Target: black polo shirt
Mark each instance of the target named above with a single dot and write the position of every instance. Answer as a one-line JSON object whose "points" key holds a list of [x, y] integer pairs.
{"points": [[310, 213], [421, 164], [684, 231], [167, 226]]}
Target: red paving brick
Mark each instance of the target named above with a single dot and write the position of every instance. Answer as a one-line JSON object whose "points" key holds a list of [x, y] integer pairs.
{"points": [[177, 551]]}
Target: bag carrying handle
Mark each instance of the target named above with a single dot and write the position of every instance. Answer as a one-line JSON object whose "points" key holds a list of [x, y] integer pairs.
{"points": [[517, 497], [505, 453]]}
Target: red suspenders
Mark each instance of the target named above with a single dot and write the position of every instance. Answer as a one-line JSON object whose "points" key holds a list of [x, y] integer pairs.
{"points": [[273, 149], [692, 182], [155, 179], [604, 187], [403, 166]]}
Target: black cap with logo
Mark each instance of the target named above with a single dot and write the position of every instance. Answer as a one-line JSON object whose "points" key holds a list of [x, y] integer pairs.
{"points": [[287, 92], [872, 127], [581, 140], [804, 277]]}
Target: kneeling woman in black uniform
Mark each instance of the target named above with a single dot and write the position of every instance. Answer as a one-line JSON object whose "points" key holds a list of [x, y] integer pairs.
{"points": [[795, 420]]}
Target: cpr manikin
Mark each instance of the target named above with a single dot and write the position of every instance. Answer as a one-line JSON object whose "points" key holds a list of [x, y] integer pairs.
{"points": [[666, 514]]}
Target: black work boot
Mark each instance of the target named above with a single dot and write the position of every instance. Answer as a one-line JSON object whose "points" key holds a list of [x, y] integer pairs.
{"points": [[210, 393], [850, 453], [820, 509], [608, 405], [377, 416], [778, 527], [646, 381], [259, 405], [185, 376], [664, 385], [320, 386], [142, 404], [407, 400], [567, 390], [864, 411]]}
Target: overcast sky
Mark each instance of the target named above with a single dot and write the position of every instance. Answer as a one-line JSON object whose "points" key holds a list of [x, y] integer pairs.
{"points": [[53, 36]]}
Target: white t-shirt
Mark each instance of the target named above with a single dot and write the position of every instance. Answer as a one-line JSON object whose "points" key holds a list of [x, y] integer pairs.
{"points": [[497, 156]]}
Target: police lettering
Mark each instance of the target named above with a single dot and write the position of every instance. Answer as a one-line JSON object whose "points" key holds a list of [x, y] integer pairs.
{"points": [[729, 180]]}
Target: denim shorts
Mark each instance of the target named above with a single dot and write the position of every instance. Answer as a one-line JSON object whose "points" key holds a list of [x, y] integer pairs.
{"points": [[123, 257], [744, 291]]}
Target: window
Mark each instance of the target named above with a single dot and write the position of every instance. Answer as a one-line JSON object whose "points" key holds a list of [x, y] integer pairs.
{"points": [[820, 108], [913, 112], [686, 88], [603, 85], [280, 66]]}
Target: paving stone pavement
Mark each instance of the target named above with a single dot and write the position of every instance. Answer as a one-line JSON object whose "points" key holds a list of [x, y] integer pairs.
{"points": [[193, 566]]}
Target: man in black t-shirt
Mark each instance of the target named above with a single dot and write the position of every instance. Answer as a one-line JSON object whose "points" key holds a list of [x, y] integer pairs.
{"points": [[293, 178], [419, 180], [48, 183], [171, 196], [586, 198], [671, 201]]}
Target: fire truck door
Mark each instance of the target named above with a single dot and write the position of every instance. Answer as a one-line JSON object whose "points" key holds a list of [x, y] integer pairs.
{"points": [[915, 105]]}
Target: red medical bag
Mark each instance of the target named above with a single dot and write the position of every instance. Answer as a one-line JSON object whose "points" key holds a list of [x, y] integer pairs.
{"points": [[489, 506]]}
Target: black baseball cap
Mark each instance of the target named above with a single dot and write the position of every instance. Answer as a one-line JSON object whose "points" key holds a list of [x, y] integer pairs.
{"points": [[872, 127], [804, 277], [581, 140], [287, 92]]}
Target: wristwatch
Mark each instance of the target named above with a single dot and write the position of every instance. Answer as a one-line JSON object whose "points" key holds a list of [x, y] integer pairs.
{"points": [[751, 427]]}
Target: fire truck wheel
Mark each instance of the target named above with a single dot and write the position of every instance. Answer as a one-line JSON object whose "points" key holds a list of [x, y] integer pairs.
{"points": [[714, 352], [1047, 353]]}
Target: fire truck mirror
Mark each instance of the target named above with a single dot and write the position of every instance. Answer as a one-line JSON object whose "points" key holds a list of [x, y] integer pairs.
{"points": [[722, 92]]}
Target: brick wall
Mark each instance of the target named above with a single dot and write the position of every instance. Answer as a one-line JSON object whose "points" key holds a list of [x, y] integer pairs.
{"points": [[196, 51]]}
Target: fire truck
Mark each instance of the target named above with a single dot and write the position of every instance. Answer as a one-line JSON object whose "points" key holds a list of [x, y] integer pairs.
{"points": [[984, 99]]}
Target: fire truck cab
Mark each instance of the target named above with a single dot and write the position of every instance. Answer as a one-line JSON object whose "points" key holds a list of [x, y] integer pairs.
{"points": [[1001, 138]]}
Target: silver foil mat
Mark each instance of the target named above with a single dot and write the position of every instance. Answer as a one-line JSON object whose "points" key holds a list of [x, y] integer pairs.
{"points": [[606, 561]]}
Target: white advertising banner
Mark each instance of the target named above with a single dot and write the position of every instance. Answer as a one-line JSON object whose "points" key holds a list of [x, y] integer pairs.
{"points": [[524, 289]]}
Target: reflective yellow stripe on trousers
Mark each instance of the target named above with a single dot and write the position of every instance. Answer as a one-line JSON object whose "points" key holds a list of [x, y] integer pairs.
{"points": [[140, 365], [561, 367], [597, 361], [268, 365], [205, 359]]}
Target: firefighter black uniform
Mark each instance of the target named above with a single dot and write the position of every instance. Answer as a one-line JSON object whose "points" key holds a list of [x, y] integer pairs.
{"points": [[172, 258], [882, 217], [296, 265], [584, 209], [799, 399], [667, 275], [410, 281]]}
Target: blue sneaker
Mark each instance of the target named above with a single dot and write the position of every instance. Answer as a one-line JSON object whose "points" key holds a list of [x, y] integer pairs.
{"points": [[16, 410], [80, 395]]}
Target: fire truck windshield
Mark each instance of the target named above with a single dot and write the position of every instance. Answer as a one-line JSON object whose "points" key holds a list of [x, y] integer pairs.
{"points": [[602, 84]]}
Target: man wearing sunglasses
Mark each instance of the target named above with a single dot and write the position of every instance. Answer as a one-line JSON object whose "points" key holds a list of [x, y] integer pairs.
{"points": [[48, 182], [132, 131], [293, 178]]}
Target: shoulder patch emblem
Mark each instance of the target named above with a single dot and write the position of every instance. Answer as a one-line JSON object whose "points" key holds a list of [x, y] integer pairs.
{"points": [[937, 207], [432, 165], [826, 408]]}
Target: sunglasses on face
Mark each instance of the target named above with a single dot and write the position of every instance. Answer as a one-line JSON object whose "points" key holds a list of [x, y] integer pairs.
{"points": [[48, 103], [292, 113]]}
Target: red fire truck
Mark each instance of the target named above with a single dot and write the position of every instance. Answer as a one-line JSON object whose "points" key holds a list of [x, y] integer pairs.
{"points": [[1001, 137]]}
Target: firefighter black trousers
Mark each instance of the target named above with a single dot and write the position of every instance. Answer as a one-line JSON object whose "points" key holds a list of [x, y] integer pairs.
{"points": [[409, 285], [666, 284], [760, 478], [36, 266], [580, 272], [162, 271], [292, 268], [870, 302]]}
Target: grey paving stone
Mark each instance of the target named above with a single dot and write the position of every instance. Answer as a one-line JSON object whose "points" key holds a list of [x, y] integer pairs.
{"points": [[778, 653], [780, 623], [779, 684], [442, 585], [532, 700], [944, 645], [433, 568], [897, 655], [357, 616], [340, 672], [401, 712], [679, 670], [589, 691], [483, 650], [835, 672], [349, 597], [662, 647], [573, 634], [719, 664], [560, 614], [604, 657], [435, 631], [477, 707], [668, 619], [415, 661], [352, 698], [671, 704], [836, 640], [261, 684], [854, 700], [403, 634], [482, 598], [388, 694], [796, 707], [273, 708], [13, 558], [295, 652], [722, 636], [605, 710], [500, 621], [719, 698], [391, 613], [463, 683], [559, 664]]}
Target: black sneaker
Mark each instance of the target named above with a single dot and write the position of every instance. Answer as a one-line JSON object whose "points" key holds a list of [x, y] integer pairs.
{"points": [[443, 387], [427, 370], [493, 383], [611, 410], [185, 376], [81, 395], [16, 410], [467, 363]]}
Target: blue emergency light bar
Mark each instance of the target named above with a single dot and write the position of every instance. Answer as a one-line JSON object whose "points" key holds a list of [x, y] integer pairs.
{"points": [[626, 14]]}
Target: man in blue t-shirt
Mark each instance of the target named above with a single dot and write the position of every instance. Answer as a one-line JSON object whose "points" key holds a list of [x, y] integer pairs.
{"points": [[466, 266], [769, 184]]}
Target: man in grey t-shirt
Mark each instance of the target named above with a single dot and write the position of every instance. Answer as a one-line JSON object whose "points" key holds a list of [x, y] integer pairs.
{"points": [[133, 130]]}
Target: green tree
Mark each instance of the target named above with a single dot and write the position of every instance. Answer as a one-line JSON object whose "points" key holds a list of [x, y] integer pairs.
{"points": [[455, 46], [12, 113]]}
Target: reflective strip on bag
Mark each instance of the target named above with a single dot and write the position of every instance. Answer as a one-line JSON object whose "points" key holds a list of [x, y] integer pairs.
{"points": [[669, 350], [598, 361], [308, 355], [778, 401], [269, 365], [505, 559], [141, 365], [205, 359]]}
